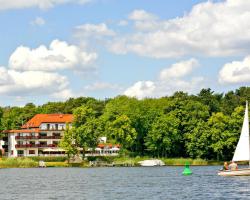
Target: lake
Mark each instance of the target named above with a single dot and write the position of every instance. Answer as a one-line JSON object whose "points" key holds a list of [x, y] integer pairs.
{"points": [[120, 183]]}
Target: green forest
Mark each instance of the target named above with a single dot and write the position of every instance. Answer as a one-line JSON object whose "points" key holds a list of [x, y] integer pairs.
{"points": [[206, 125]]}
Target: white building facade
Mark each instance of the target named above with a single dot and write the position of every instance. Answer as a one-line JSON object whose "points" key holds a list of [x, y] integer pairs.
{"points": [[40, 136]]}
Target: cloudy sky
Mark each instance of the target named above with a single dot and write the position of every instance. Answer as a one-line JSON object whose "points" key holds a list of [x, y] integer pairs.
{"points": [[55, 49]]}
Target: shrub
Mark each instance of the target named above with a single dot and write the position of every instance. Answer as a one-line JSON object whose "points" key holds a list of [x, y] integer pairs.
{"points": [[49, 158], [18, 163]]}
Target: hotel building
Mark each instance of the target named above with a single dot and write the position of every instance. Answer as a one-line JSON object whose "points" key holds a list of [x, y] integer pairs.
{"points": [[40, 136]]}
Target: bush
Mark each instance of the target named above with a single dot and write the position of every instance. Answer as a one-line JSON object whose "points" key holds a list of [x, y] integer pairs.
{"points": [[183, 161], [108, 159], [18, 163], [49, 158], [57, 164]]}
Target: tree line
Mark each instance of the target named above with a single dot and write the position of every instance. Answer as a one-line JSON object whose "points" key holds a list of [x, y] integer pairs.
{"points": [[206, 125]]}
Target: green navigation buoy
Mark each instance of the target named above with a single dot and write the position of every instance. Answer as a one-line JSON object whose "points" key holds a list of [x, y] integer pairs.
{"points": [[187, 171]]}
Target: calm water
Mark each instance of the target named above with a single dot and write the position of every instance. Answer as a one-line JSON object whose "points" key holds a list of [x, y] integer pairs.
{"points": [[120, 183]]}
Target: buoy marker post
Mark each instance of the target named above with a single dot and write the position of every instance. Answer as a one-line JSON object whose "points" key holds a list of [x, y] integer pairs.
{"points": [[187, 171]]}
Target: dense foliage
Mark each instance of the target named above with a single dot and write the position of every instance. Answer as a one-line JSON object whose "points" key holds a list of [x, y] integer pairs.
{"points": [[206, 125]]}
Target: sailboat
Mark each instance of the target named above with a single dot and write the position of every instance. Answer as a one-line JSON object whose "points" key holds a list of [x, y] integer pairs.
{"points": [[242, 152]]}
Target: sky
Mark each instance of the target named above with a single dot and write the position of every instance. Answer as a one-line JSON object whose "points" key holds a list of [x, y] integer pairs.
{"points": [[52, 50]]}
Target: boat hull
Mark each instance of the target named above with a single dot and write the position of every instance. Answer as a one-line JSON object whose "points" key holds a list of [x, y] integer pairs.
{"points": [[239, 172], [151, 163]]}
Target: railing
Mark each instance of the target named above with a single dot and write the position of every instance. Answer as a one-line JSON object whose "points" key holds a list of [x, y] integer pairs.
{"points": [[26, 137], [35, 145], [37, 137], [49, 137]]}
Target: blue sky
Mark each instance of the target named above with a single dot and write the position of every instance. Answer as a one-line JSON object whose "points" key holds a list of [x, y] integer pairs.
{"points": [[53, 50]]}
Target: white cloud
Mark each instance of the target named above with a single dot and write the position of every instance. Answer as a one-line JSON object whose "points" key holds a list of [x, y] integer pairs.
{"points": [[144, 89], [235, 72], [170, 80], [60, 55], [16, 83], [42, 4], [63, 94], [39, 21], [210, 28], [93, 30], [33, 72], [102, 86], [123, 23], [141, 89], [179, 69], [141, 15], [5, 78]]}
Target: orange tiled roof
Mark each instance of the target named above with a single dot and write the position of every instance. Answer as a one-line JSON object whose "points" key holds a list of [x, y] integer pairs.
{"points": [[48, 118], [108, 145]]}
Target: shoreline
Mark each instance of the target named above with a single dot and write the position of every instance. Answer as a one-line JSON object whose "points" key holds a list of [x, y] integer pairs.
{"points": [[33, 162]]}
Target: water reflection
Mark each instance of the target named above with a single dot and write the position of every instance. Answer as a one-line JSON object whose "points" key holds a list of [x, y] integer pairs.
{"points": [[121, 183]]}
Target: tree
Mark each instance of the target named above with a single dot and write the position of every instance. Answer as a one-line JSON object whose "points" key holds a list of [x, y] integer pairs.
{"points": [[69, 142], [220, 134], [82, 114], [164, 135], [52, 107], [207, 97], [89, 133], [87, 127], [122, 132], [199, 141], [189, 112]]}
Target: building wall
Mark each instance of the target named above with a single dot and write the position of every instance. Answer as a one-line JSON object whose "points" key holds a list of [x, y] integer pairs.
{"points": [[12, 142], [21, 139]]}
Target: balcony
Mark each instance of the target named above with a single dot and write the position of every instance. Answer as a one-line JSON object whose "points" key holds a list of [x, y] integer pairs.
{"points": [[26, 137], [37, 137], [49, 137], [35, 145]]}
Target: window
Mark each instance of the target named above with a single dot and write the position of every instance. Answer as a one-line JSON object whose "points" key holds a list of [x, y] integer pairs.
{"points": [[55, 143], [56, 134], [43, 126], [20, 142], [40, 151], [48, 126], [61, 126], [20, 152], [32, 152], [43, 143], [43, 134], [52, 127]]}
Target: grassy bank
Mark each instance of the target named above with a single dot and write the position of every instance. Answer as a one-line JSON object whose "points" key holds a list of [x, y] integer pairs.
{"points": [[171, 161], [114, 161], [133, 161], [197, 162], [32, 162], [17, 163]]}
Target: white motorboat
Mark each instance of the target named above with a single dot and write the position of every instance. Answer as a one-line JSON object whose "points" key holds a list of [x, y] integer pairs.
{"points": [[151, 163]]}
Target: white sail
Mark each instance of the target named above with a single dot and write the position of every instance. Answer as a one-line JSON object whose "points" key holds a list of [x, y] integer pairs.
{"points": [[243, 147]]}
